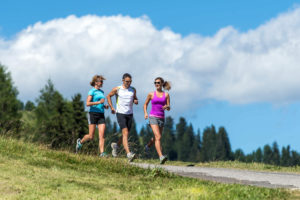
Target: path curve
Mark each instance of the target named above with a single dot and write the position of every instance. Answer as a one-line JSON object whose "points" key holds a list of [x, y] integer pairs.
{"points": [[225, 175]]}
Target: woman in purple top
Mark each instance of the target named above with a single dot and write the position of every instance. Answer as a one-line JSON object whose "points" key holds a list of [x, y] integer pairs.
{"points": [[160, 101]]}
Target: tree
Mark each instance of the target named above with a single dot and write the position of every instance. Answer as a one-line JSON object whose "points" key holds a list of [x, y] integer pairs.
{"points": [[195, 149], [133, 138], [55, 118], [29, 106], [239, 155], [267, 155], [168, 139], [80, 126], [223, 149], [180, 130], [285, 156], [9, 104], [258, 155], [275, 154], [187, 143], [208, 150]]}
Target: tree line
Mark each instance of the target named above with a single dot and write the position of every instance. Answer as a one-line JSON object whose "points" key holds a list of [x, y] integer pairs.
{"points": [[58, 122]]}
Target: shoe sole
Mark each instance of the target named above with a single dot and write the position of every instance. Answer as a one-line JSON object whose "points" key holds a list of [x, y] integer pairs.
{"points": [[163, 161], [132, 158]]}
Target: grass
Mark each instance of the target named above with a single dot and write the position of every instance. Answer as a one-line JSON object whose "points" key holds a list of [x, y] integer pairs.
{"points": [[29, 171]]}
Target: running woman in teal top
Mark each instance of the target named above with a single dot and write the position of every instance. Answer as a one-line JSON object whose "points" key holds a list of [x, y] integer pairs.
{"points": [[160, 101], [95, 101]]}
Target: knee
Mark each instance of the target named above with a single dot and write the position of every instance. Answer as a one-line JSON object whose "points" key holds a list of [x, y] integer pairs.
{"points": [[157, 138], [91, 137]]}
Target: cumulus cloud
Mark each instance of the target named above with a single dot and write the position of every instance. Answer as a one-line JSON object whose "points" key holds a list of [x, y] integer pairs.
{"points": [[260, 65]]}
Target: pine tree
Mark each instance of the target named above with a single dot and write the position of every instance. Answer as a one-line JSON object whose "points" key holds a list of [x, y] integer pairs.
{"points": [[187, 142], [54, 118], [133, 139], [267, 155], [9, 104], [29, 106], [239, 155], [181, 128], [285, 156], [195, 149], [168, 139], [258, 155], [208, 151], [223, 149], [275, 154], [80, 127]]}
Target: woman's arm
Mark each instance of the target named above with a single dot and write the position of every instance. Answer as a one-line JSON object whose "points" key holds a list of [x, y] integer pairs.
{"points": [[149, 97]]}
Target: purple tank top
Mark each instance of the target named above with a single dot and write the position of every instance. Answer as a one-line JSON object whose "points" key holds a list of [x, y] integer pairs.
{"points": [[157, 106]]}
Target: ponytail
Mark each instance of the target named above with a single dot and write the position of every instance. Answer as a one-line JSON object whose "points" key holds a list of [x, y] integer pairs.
{"points": [[165, 84]]}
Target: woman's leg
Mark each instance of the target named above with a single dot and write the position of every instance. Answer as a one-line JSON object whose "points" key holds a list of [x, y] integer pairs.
{"points": [[90, 136], [101, 128], [157, 134]]}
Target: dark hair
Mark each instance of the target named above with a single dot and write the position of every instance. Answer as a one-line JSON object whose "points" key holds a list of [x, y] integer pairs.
{"points": [[126, 75], [166, 84], [95, 78]]}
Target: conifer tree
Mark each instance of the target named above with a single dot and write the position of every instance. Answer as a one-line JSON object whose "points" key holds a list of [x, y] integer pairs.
{"points": [[275, 154], [168, 139], [258, 155], [9, 104], [195, 149], [181, 128], [223, 149], [239, 155], [187, 142], [267, 155], [133, 138], [29, 106]]}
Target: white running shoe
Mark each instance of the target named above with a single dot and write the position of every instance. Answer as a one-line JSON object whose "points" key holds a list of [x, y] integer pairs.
{"points": [[115, 148], [131, 156], [163, 159]]}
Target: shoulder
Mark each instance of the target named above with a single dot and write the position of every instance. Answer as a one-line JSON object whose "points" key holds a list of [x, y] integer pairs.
{"points": [[91, 91], [150, 94], [115, 89], [167, 94], [133, 88]]}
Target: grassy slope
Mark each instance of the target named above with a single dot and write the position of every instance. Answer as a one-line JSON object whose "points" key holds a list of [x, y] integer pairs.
{"points": [[32, 172]]}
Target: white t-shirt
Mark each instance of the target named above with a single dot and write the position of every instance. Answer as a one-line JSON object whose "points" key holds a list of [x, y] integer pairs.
{"points": [[125, 100]]}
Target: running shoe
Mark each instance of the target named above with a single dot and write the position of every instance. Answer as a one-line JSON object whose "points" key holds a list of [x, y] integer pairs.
{"points": [[114, 151], [78, 145], [103, 155], [131, 156], [163, 159]]}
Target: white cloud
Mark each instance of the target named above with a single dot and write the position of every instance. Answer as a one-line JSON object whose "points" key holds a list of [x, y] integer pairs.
{"points": [[261, 65]]}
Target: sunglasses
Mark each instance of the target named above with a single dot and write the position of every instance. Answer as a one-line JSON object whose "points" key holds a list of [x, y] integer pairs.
{"points": [[157, 83], [101, 81], [127, 81]]}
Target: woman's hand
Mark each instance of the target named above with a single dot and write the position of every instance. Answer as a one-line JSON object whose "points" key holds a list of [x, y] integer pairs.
{"points": [[146, 116], [166, 107], [101, 101]]}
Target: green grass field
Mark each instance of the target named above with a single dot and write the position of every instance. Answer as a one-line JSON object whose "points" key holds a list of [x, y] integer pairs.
{"points": [[28, 171]]}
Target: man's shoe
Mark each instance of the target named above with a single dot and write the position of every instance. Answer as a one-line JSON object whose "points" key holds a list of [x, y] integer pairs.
{"points": [[114, 151], [131, 156], [103, 155], [78, 145], [163, 159]]}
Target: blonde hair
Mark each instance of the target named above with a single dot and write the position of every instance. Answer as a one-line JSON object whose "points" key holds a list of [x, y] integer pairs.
{"points": [[95, 78], [166, 84]]}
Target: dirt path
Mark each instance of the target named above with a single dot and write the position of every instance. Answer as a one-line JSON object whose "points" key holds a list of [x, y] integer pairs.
{"points": [[224, 175]]}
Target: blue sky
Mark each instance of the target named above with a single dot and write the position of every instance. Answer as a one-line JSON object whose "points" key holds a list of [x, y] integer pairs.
{"points": [[251, 121]]}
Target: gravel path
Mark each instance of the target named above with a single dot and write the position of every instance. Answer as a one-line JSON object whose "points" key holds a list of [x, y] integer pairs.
{"points": [[225, 175]]}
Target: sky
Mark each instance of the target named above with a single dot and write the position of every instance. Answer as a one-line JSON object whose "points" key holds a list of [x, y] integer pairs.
{"points": [[231, 63]]}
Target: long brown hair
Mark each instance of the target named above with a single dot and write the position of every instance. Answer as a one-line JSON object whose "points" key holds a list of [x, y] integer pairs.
{"points": [[166, 84], [95, 78]]}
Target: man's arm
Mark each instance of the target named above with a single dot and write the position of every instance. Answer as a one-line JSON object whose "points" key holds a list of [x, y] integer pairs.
{"points": [[112, 93]]}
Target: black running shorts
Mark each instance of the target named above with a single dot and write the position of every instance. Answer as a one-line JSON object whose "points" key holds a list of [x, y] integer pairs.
{"points": [[96, 118], [124, 120]]}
